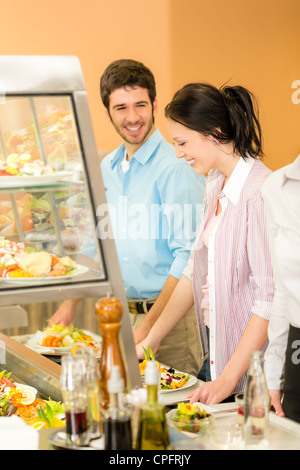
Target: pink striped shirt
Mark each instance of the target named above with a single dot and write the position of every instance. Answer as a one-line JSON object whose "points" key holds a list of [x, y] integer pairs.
{"points": [[236, 263]]}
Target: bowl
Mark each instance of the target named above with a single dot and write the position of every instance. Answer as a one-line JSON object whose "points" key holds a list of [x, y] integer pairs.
{"points": [[195, 425]]}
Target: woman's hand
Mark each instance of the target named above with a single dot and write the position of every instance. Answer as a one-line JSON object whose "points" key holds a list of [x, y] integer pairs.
{"points": [[154, 345], [140, 333], [210, 393]]}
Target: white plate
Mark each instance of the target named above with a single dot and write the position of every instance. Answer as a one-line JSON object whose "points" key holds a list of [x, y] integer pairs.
{"points": [[33, 341], [38, 280], [192, 381], [42, 180]]}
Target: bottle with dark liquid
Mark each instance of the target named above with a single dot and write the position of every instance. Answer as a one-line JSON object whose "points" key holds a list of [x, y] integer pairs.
{"points": [[117, 422], [74, 392], [153, 430], [76, 422], [92, 378]]}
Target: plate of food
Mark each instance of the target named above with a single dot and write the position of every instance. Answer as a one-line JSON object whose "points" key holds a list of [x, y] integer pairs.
{"points": [[21, 169], [170, 379], [22, 400], [21, 265], [60, 340]]}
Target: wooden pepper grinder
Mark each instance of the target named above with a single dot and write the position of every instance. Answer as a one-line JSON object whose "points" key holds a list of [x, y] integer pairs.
{"points": [[109, 312]]}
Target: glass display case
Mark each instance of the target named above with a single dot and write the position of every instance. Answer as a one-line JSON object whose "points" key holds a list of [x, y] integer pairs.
{"points": [[51, 192], [29, 368]]}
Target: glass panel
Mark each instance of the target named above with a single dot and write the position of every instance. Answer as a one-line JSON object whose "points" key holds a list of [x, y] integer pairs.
{"points": [[45, 199], [30, 368]]}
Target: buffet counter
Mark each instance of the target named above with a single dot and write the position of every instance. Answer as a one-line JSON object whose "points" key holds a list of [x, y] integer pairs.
{"points": [[284, 433], [38, 371]]}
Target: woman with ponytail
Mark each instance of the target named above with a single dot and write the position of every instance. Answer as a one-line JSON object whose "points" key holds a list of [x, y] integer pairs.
{"points": [[229, 274]]}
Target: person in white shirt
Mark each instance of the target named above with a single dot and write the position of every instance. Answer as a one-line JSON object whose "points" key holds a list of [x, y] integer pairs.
{"points": [[281, 193]]}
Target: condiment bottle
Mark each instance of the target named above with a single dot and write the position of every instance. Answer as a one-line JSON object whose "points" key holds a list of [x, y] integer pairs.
{"points": [[92, 378], [74, 392], [153, 431], [257, 404], [109, 312], [117, 422]]}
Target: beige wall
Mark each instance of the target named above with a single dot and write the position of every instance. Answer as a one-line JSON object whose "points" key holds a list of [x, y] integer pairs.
{"points": [[255, 43]]}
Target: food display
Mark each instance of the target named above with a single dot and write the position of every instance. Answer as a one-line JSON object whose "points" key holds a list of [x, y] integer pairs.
{"points": [[189, 417], [22, 400], [51, 243], [50, 186], [170, 379], [23, 165], [58, 134], [17, 261]]}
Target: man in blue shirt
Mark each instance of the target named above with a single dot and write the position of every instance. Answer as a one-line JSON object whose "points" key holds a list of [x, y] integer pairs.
{"points": [[154, 217]]}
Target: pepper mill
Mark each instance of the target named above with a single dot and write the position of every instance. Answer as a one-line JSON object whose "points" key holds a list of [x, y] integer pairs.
{"points": [[109, 312]]}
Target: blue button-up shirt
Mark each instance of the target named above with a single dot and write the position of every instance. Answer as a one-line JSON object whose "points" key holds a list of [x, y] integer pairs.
{"points": [[155, 207]]}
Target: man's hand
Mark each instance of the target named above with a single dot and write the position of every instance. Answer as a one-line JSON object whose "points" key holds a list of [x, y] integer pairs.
{"points": [[275, 396], [65, 313]]}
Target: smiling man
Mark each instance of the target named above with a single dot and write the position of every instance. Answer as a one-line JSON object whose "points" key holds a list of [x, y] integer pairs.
{"points": [[153, 214]]}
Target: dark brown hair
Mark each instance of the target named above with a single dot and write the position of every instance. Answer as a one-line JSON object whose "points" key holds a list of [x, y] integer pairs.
{"points": [[228, 114], [126, 72]]}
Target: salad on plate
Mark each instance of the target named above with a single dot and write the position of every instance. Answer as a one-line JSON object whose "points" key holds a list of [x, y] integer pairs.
{"points": [[170, 379], [65, 337]]}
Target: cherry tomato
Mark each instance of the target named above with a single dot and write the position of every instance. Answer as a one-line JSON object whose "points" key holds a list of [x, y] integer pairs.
{"points": [[47, 340], [55, 343]]}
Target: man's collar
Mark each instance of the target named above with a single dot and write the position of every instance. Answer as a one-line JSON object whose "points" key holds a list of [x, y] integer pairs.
{"points": [[143, 154], [235, 183]]}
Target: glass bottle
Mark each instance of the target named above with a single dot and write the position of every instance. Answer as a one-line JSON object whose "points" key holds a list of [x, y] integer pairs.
{"points": [[92, 378], [257, 404], [153, 431], [117, 422], [74, 392]]}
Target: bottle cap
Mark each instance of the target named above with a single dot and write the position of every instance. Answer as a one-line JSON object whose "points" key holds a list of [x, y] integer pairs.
{"points": [[116, 382], [152, 374]]}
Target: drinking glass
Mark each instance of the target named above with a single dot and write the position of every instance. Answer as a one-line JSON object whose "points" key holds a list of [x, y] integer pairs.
{"points": [[226, 434]]}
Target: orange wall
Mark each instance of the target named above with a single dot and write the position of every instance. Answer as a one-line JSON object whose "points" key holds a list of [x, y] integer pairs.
{"points": [[97, 32], [255, 43]]}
